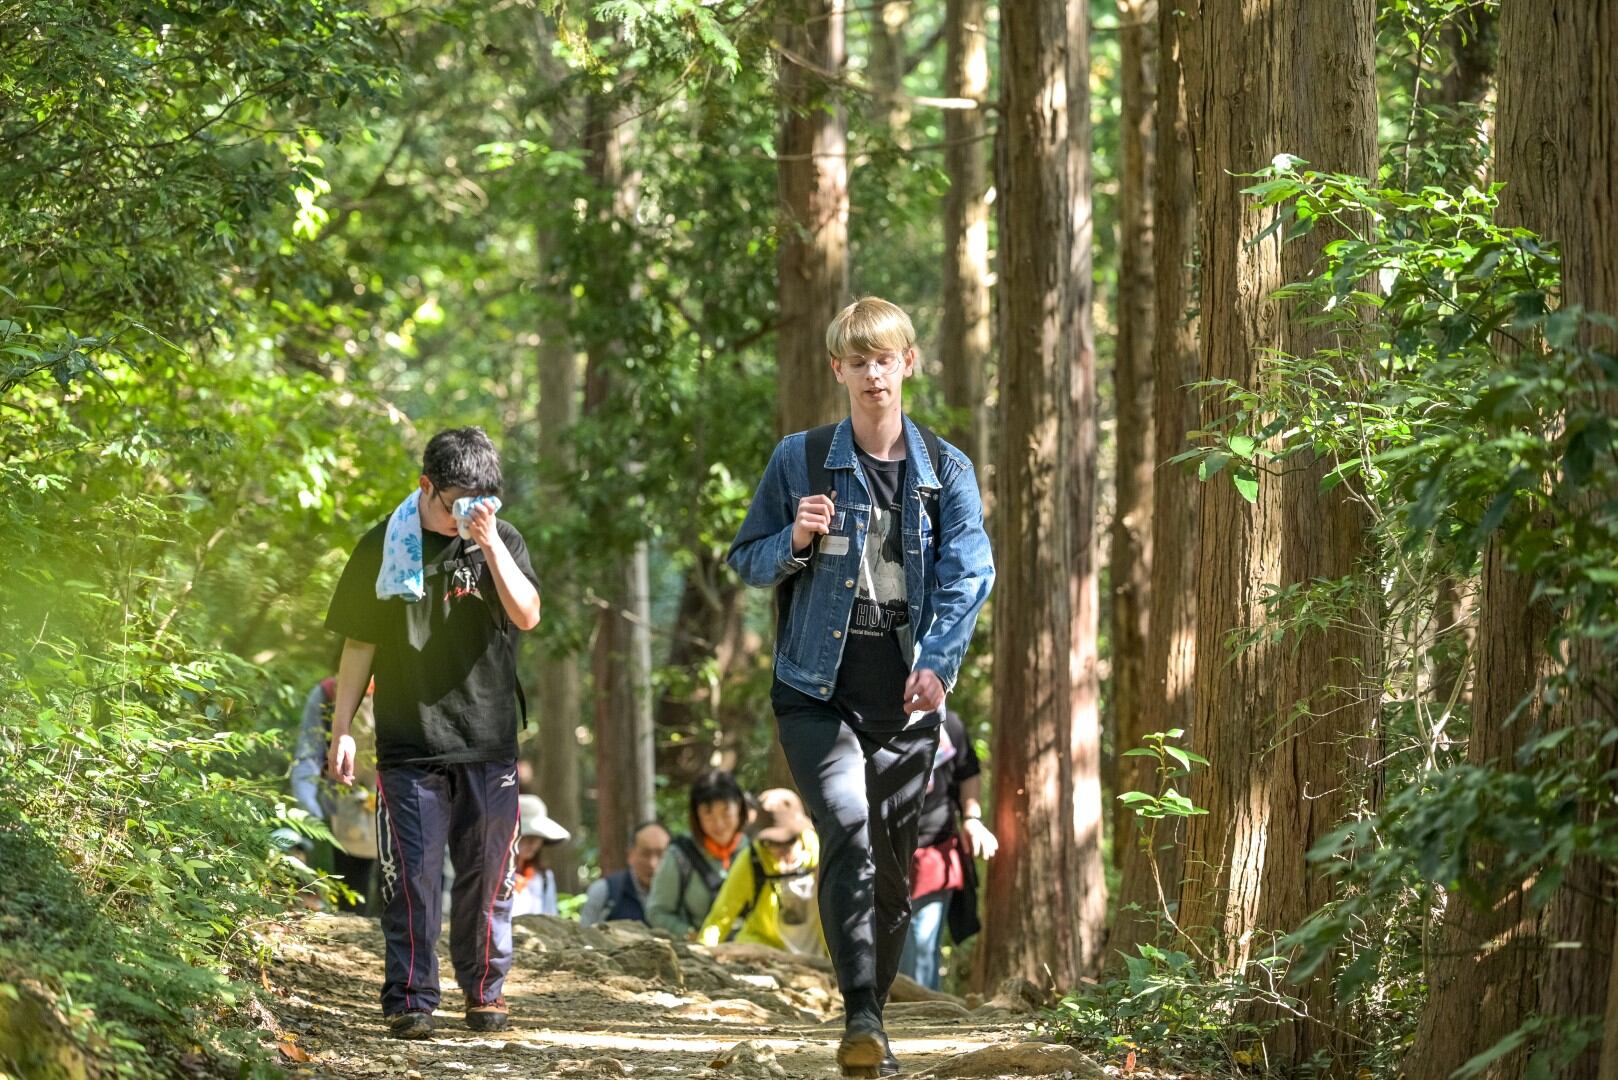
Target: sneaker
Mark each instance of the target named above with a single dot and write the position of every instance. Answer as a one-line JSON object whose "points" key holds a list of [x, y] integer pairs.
{"points": [[488, 1016], [416, 1024], [864, 1049]]}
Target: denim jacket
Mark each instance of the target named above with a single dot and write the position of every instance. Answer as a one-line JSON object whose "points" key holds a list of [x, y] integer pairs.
{"points": [[947, 576]]}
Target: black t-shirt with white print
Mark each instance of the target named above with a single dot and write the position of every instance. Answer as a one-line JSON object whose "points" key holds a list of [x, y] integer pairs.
{"points": [[445, 665], [877, 650]]}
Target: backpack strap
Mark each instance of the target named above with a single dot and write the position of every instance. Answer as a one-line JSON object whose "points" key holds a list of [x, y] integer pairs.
{"points": [[758, 890], [761, 879], [929, 439], [816, 445], [691, 863]]}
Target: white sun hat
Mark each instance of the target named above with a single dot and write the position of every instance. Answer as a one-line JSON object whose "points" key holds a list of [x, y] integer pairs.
{"points": [[536, 822]]}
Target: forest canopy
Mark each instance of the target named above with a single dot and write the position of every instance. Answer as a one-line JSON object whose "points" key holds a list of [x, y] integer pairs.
{"points": [[1284, 338]]}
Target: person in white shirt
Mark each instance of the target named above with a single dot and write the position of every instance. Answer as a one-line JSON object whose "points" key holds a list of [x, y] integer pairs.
{"points": [[535, 883]]}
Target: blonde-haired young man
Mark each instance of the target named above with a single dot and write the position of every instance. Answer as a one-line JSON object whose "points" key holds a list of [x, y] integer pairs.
{"points": [[872, 532]]}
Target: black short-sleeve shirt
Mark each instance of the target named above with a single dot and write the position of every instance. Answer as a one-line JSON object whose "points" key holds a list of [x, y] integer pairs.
{"points": [[445, 666]]}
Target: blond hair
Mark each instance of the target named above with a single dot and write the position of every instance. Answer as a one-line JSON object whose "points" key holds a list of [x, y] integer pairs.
{"points": [[869, 324]]}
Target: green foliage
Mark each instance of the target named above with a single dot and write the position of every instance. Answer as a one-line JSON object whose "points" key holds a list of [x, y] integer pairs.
{"points": [[1172, 761], [1465, 408], [1166, 1012]]}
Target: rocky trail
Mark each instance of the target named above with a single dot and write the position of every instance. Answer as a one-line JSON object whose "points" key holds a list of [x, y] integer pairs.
{"points": [[620, 1001]]}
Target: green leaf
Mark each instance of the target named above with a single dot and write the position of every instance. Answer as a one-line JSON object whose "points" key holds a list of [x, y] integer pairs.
{"points": [[1210, 466], [1246, 484]]}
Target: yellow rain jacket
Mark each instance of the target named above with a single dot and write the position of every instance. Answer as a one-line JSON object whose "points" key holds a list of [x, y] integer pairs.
{"points": [[782, 910]]}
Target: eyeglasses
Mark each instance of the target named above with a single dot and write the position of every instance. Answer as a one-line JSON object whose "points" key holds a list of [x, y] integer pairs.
{"points": [[882, 363], [439, 495]]}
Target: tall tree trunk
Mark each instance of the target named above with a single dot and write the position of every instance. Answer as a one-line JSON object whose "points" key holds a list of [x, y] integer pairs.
{"points": [[1083, 812], [888, 63], [1557, 154], [812, 263], [964, 334], [1045, 886], [813, 177], [1277, 720], [557, 700], [620, 665], [1129, 559], [1166, 698]]}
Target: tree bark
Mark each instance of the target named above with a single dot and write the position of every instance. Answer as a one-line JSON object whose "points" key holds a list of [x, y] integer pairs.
{"points": [[557, 700], [1166, 698], [620, 668], [1129, 560], [1085, 868], [813, 254], [964, 334], [1557, 154], [813, 177], [1278, 720], [1045, 887]]}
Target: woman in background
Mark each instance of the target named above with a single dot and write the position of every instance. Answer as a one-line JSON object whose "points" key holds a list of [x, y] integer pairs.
{"points": [[691, 873]]}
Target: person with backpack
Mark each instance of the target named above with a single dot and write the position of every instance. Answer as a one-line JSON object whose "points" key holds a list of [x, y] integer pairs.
{"points": [[943, 874], [348, 811], [769, 897], [624, 895], [691, 874], [431, 603], [871, 531]]}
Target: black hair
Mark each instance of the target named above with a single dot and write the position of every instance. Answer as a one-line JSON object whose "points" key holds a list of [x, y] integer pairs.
{"points": [[462, 458], [715, 785]]}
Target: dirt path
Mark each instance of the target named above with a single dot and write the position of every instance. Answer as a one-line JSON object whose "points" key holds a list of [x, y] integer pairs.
{"points": [[619, 1001]]}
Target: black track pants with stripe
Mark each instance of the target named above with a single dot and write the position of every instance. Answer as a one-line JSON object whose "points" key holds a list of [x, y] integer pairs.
{"points": [[420, 809]]}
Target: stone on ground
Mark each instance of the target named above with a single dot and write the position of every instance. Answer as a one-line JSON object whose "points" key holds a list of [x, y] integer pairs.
{"points": [[746, 1061], [1016, 1060]]}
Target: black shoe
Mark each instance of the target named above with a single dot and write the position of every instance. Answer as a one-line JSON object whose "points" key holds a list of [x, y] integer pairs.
{"points": [[489, 1016], [415, 1024], [889, 1066], [864, 1048]]}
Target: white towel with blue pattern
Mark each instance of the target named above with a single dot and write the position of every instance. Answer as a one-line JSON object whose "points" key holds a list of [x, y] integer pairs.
{"points": [[402, 572]]}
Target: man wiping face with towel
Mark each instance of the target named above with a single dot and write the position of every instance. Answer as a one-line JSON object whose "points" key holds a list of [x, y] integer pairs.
{"points": [[431, 603]]}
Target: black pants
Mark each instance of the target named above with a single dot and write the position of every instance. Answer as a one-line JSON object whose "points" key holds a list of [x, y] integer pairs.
{"points": [[863, 791], [472, 808]]}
